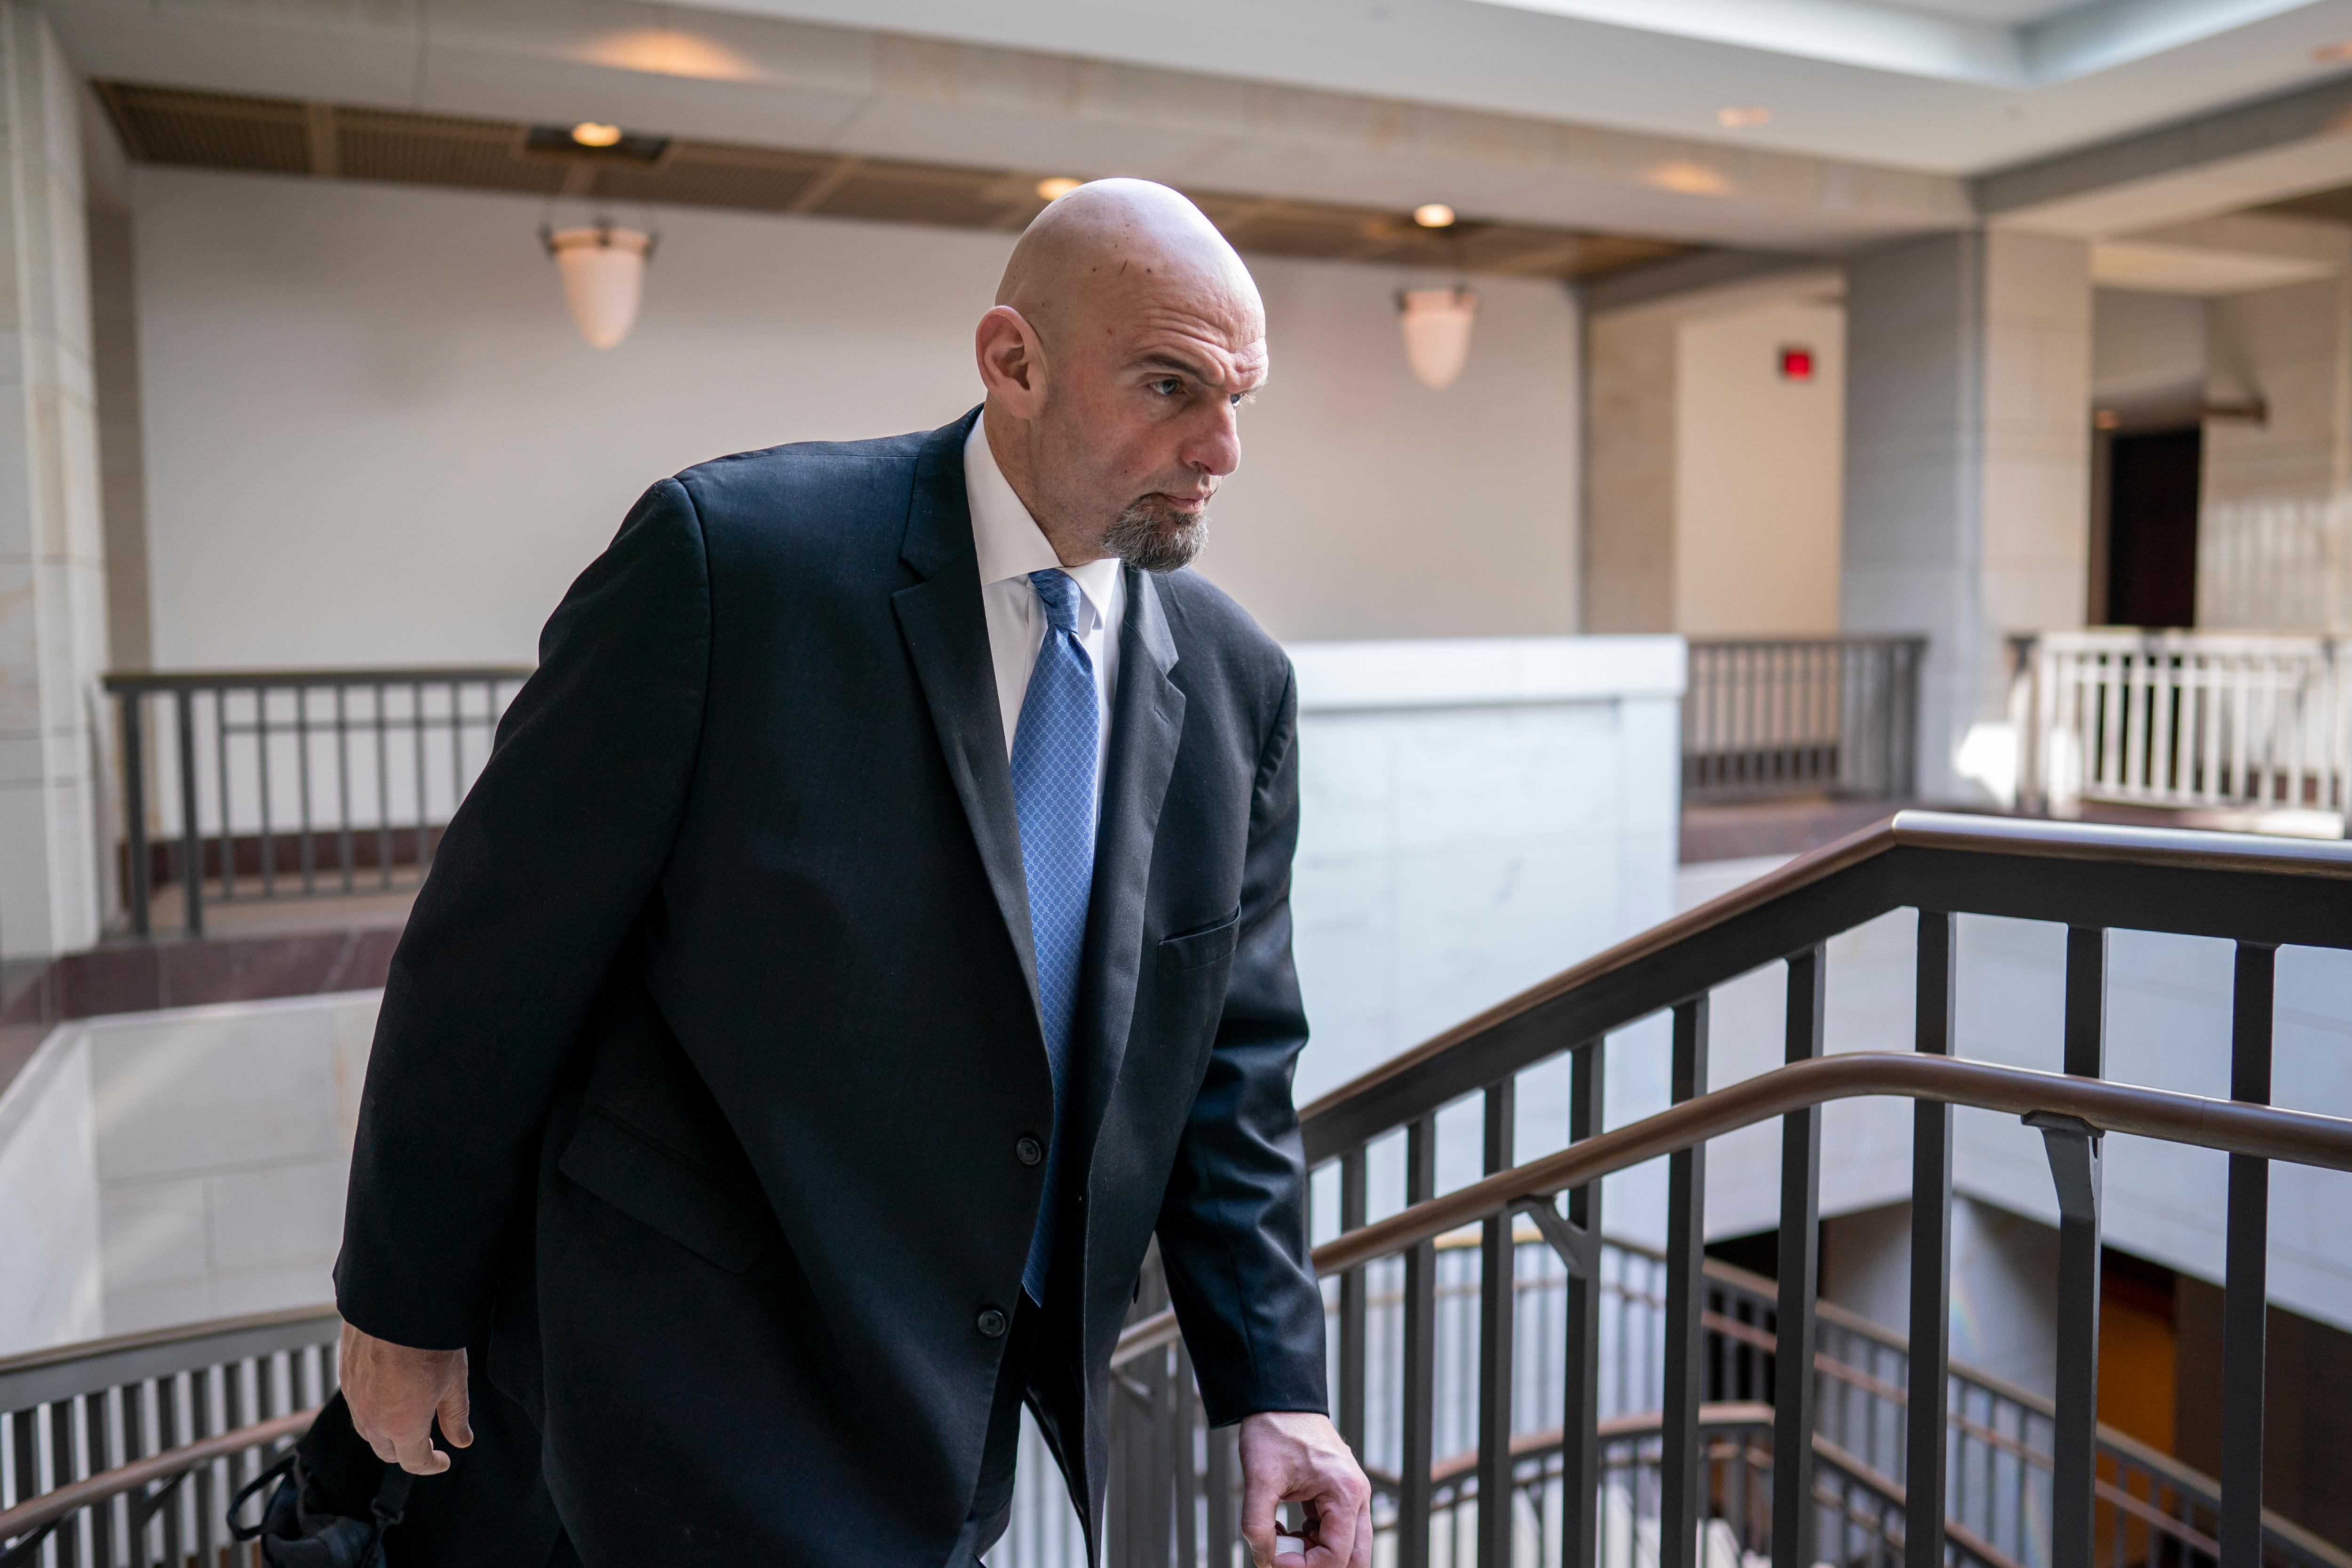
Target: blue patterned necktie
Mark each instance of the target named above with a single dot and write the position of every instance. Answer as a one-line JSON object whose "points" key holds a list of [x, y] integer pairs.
{"points": [[1054, 753]]}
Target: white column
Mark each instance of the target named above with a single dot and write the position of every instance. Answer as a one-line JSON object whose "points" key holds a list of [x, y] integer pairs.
{"points": [[1968, 463], [52, 555]]}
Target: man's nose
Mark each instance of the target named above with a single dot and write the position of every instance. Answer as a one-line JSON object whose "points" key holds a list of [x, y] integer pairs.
{"points": [[1216, 448]]}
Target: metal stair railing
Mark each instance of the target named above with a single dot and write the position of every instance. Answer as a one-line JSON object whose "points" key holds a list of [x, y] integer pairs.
{"points": [[245, 785], [2260, 893], [123, 1453], [1776, 716]]}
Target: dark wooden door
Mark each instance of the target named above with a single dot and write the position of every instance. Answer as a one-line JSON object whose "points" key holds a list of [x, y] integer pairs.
{"points": [[2152, 528]]}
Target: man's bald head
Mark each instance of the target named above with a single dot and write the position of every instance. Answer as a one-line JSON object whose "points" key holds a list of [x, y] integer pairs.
{"points": [[1125, 335], [1111, 244]]}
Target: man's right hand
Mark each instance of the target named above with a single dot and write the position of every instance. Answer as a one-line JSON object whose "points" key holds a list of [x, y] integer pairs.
{"points": [[395, 1392]]}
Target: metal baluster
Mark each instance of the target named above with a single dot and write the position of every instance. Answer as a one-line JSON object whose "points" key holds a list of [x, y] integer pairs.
{"points": [[1420, 1356], [1184, 1402], [261, 767], [191, 837], [220, 759], [1581, 1403], [1497, 1297], [1928, 1437], [1679, 1500], [383, 792], [456, 746], [132, 704], [343, 784], [1224, 1531], [302, 777], [2074, 1151], [1159, 1419], [2244, 1304], [1353, 1210], [1799, 1268], [416, 733]]}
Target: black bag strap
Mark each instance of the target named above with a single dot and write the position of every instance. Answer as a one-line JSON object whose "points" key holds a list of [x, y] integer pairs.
{"points": [[391, 1504], [293, 1535], [280, 1467]]}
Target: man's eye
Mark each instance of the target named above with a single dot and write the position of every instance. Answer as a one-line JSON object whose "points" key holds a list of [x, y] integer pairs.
{"points": [[1168, 386]]}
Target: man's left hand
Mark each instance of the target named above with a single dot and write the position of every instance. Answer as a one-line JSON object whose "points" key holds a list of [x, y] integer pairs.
{"points": [[1297, 1456]]}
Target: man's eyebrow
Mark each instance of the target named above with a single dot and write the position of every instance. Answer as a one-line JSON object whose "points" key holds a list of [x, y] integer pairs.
{"points": [[1161, 359]]}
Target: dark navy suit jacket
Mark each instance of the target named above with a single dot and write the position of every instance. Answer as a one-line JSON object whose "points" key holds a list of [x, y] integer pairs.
{"points": [[702, 1065]]}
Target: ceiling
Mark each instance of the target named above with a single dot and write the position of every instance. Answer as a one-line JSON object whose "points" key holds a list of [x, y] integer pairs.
{"points": [[2334, 205], [2001, 12], [1951, 86], [1565, 116], [175, 126]]}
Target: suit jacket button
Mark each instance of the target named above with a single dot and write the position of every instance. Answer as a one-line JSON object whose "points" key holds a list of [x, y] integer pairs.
{"points": [[1028, 1150], [991, 1323]]}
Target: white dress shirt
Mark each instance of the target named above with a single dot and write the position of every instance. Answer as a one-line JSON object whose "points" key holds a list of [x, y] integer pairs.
{"points": [[1011, 546]]}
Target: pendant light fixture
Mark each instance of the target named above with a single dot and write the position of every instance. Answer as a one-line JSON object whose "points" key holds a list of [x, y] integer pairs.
{"points": [[1437, 321], [603, 270]]}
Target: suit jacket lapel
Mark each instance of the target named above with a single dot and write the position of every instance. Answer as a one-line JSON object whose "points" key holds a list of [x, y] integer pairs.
{"points": [[1147, 721], [947, 635]]}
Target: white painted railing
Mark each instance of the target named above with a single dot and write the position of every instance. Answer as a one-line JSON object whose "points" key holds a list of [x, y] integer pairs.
{"points": [[2224, 720]]}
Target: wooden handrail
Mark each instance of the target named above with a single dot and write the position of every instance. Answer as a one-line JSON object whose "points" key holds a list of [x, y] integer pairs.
{"points": [[1616, 986], [2233, 1126], [40, 1512], [2237, 1128], [63, 1372], [281, 680]]}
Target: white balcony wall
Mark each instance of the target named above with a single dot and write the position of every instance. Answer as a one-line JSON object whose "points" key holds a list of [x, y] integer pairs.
{"points": [[1474, 817]]}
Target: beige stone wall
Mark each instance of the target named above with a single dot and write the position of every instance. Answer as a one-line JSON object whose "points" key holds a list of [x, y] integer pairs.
{"points": [[53, 639], [1629, 494], [2273, 548]]}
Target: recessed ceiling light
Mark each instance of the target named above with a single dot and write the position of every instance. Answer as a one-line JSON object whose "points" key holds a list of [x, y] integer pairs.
{"points": [[1684, 177], [1060, 185], [2335, 53], [1738, 116], [1433, 215], [595, 133]]}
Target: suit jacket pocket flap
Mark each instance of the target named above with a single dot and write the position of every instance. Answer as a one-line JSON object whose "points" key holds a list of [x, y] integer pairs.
{"points": [[655, 1188], [1198, 949]]}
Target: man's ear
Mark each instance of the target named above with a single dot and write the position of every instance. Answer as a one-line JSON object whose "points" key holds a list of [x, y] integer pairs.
{"points": [[1011, 362]]}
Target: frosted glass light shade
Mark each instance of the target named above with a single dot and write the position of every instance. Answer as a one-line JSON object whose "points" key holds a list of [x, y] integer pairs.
{"points": [[1437, 324], [603, 271]]}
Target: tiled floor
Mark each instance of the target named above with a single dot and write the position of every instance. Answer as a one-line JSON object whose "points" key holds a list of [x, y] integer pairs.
{"points": [[252, 916], [1789, 827]]}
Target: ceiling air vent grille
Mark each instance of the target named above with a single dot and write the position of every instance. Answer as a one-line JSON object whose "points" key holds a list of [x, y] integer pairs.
{"points": [[210, 130]]}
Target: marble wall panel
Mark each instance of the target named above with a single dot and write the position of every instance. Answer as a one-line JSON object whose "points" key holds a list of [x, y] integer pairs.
{"points": [[1459, 847], [192, 1091], [50, 1289], [221, 1146]]}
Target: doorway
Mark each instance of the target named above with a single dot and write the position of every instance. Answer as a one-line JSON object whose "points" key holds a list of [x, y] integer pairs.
{"points": [[2153, 478]]}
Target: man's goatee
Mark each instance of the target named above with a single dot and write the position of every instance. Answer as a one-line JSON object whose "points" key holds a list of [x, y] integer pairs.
{"points": [[1155, 535]]}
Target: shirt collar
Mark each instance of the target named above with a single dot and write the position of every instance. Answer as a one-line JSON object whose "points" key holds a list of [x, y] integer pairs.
{"points": [[1008, 540]]}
